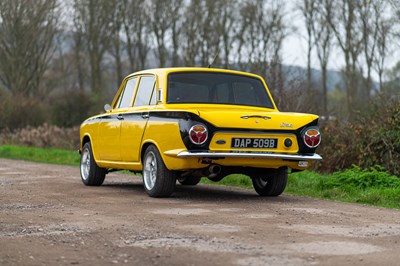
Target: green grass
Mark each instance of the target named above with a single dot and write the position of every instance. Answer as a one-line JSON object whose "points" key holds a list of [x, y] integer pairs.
{"points": [[373, 187], [231, 180], [41, 155]]}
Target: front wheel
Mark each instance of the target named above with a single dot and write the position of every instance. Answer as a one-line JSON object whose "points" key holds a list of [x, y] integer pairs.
{"points": [[157, 179], [271, 183], [91, 174]]}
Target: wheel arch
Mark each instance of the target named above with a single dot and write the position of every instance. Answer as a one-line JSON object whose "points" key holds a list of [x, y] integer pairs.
{"points": [[87, 138], [150, 142], [145, 145]]}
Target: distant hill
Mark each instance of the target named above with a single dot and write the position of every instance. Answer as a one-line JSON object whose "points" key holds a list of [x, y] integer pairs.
{"points": [[335, 78]]}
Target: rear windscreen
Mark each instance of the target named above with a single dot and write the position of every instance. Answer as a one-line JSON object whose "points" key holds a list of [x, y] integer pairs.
{"points": [[217, 88]]}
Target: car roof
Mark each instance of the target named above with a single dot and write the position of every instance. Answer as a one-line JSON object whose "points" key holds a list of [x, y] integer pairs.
{"points": [[166, 71]]}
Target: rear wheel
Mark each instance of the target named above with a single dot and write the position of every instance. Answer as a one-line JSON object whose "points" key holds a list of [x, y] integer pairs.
{"points": [[189, 180], [272, 183], [157, 179], [91, 174]]}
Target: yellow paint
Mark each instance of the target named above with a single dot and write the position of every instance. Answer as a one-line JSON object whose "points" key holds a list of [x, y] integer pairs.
{"points": [[120, 143]]}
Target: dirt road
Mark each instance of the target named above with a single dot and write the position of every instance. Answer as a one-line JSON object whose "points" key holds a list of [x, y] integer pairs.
{"points": [[48, 217]]}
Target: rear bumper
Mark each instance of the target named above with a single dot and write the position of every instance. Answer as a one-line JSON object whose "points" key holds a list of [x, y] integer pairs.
{"points": [[292, 157]]}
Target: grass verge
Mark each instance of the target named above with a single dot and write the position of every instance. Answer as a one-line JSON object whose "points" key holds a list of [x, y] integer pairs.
{"points": [[373, 187], [40, 155]]}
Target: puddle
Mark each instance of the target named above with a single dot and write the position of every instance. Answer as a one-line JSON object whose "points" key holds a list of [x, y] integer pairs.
{"points": [[180, 211], [273, 260], [258, 215], [253, 255], [309, 210], [200, 244], [213, 228], [230, 210], [335, 248], [376, 230]]}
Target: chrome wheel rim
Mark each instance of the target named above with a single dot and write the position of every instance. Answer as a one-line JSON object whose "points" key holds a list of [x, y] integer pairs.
{"points": [[262, 181], [150, 171], [85, 164]]}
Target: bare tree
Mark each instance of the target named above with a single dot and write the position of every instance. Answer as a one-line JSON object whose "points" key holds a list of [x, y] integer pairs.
{"points": [[280, 31], [116, 43], [163, 15], [191, 42], [227, 23], [137, 30], [202, 32], [371, 17], [176, 30], [94, 20], [79, 54], [27, 30], [344, 23], [262, 32], [323, 43], [386, 28], [385, 33], [308, 10], [210, 32], [248, 35]]}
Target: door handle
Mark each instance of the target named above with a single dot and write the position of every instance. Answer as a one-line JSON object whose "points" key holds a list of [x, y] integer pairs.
{"points": [[120, 117], [145, 116]]}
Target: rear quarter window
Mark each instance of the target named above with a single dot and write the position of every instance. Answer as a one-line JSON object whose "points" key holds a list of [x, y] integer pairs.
{"points": [[144, 91]]}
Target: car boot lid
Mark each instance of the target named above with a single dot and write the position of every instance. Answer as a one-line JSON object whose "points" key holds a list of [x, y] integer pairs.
{"points": [[256, 119]]}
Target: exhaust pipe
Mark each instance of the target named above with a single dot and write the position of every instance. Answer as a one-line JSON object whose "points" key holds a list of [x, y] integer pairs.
{"points": [[213, 171]]}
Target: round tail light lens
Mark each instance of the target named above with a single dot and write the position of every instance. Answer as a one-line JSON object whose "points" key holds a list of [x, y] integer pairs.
{"points": [[312, 138], [198, 134]]}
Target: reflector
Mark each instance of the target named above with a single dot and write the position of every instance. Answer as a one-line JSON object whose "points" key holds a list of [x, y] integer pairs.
{"points": [[198, 134], [312, 138]]}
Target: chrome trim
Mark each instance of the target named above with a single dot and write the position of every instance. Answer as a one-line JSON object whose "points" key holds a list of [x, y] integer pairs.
{"points": [[159, 95], [314, 157], [256, 116]]}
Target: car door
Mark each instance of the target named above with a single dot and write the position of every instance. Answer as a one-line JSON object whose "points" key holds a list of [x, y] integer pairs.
{"points": [[135, 120], [110, 125]]}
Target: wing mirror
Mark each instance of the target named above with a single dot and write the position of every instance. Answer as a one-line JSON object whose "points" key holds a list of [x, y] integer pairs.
{"points": [[107, 108]]}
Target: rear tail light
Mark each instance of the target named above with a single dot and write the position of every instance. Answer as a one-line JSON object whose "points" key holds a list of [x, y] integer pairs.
{"points": [[312, 137], [198, 134]]}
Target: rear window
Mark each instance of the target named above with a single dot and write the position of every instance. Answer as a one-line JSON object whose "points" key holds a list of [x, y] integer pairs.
{"points": [[217, 88]]}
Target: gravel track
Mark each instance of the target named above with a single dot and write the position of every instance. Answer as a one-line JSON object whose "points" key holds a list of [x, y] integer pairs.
{"points": [[48, 217]]}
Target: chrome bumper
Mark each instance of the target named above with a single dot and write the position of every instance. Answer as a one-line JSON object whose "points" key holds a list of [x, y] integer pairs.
{"points": [[294, 157]]}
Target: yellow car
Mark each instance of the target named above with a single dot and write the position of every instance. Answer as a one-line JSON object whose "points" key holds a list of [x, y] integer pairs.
{"points": [[187, 123]]}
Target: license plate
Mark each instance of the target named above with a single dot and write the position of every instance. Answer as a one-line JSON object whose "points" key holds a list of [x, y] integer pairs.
{"points": [[261, 143]]}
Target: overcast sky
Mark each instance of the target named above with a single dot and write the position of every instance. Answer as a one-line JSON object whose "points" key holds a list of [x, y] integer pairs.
{"points": [[294, 50]]}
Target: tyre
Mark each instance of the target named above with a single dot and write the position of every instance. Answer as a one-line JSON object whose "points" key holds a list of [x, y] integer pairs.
{"points": [[189, 180], [157, 179], [272, 183], [91, 174]]}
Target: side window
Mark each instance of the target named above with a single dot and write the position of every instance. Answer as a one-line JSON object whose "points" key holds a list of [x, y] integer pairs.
{"points": [[144, 91], [125, 98]]}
